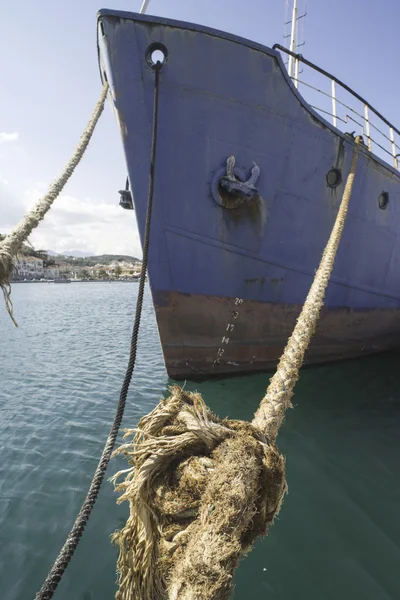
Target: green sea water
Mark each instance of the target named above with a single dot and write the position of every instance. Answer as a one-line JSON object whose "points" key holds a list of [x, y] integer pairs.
{"points": [[338, 534]]}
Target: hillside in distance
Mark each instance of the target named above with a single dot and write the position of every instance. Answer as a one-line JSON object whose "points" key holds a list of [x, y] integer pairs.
{"points": [[86, 261], [50, 257]]}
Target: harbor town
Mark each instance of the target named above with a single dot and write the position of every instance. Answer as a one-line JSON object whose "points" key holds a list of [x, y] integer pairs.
{"points": [[47, 268]]}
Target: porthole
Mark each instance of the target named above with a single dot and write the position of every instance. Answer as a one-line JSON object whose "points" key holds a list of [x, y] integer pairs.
{"points": [[383, 200], [334, 177]]}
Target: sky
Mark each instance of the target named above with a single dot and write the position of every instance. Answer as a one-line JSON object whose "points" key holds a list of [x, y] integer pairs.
{"points": [[50, 85]]}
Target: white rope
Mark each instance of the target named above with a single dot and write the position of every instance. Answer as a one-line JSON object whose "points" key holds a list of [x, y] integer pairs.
{"points": [[14, 240], [271, 411]]}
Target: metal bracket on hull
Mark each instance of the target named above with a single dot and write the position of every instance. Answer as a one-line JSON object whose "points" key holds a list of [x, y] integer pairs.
{"points": [[126, 197]]}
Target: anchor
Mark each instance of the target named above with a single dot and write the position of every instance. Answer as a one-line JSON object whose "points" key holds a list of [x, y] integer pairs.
{"points": [[244, 189]]}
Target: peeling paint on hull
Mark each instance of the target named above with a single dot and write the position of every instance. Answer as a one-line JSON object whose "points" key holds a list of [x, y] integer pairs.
{"points": [[192, 328]]}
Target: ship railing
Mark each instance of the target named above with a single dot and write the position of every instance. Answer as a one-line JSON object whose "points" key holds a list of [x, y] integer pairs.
{"points": [[384, 136]]}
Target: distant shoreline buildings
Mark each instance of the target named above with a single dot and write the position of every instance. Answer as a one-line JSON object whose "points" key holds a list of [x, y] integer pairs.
{"points": [[34, 268]]}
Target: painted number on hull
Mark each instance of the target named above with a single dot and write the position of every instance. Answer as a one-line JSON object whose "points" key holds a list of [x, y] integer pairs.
{"points": [[229, 327]]}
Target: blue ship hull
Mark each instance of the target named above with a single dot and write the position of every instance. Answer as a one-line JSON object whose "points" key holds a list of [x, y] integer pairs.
{"points": [[228, 284]]}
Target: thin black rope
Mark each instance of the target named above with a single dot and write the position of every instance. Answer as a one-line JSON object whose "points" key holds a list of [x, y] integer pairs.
{"points": [[53, 578]]}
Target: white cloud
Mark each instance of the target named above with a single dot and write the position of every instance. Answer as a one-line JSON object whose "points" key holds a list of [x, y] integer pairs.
{"points": [[11, 210], [92, 227], [8, 137]]}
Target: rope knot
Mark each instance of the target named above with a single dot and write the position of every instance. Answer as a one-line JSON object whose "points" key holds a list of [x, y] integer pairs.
{"points": [[201, 489]]}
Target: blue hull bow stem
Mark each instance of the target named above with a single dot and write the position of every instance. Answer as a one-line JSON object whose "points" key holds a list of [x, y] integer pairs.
{"points": [[247, 186]]}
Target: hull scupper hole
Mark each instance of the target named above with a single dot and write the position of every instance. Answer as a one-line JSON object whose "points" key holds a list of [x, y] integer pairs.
{"points": [[383, 200], [334, 177], [156, 53]]}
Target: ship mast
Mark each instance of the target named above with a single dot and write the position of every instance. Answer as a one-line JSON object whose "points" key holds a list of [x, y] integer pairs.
{"points": [[144, 6], [293, 64], [293, 39]]}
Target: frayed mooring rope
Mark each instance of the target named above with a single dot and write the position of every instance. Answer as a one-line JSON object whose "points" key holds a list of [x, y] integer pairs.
{"points": [[14, 240], [200, 488], [271, 412], [6, 287]]}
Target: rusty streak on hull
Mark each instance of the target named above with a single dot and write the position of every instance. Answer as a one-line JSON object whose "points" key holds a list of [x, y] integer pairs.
{"points": [[199, 341]]}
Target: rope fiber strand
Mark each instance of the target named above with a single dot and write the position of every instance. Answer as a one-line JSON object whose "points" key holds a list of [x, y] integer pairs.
{"points": [[14, 240], [67, 551], [271, 412], [202, 489]]}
